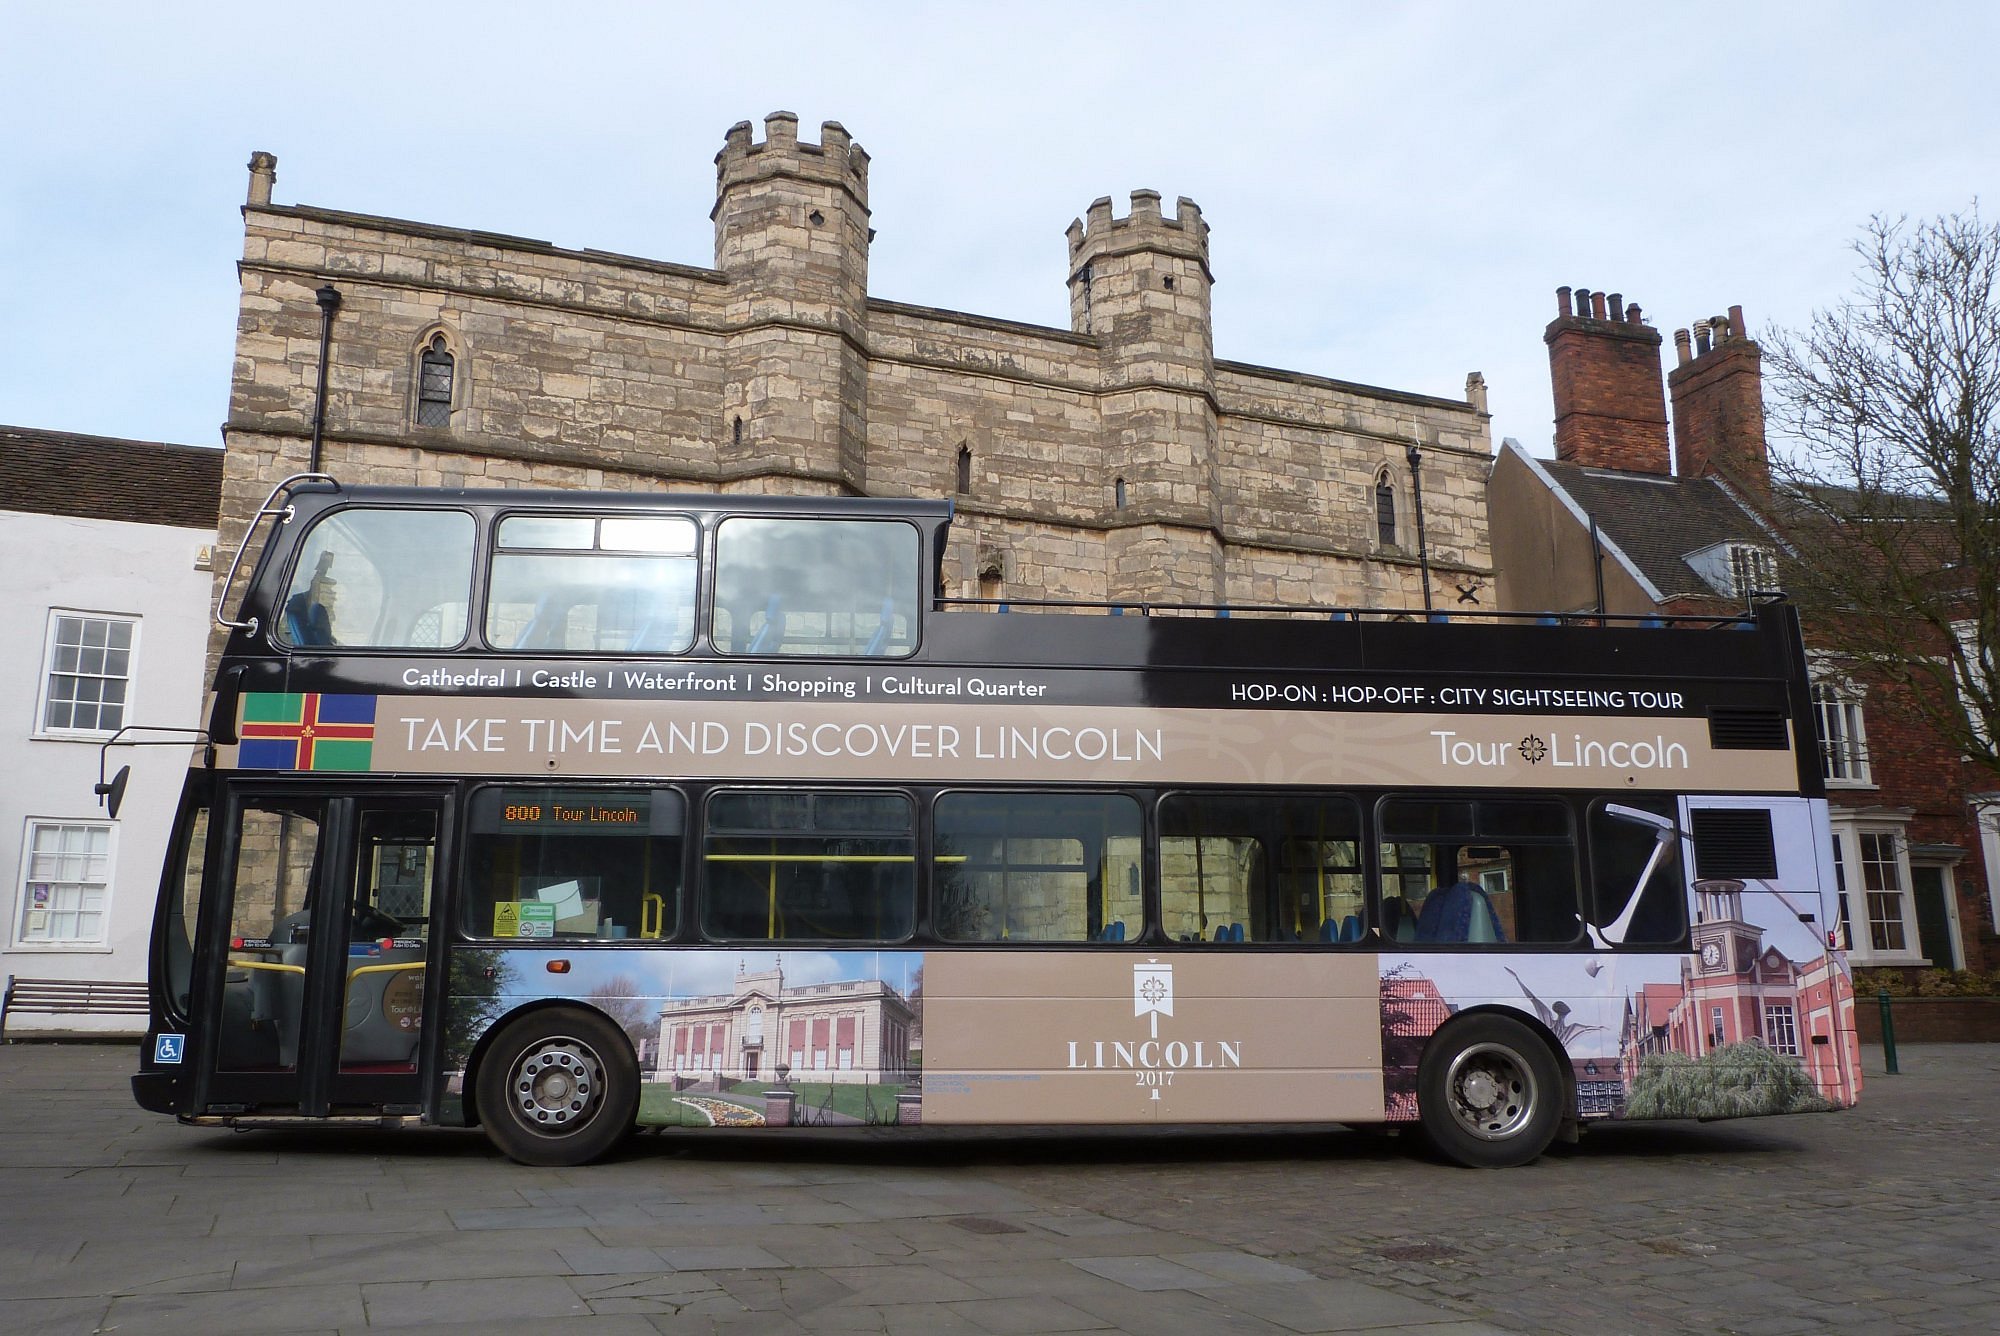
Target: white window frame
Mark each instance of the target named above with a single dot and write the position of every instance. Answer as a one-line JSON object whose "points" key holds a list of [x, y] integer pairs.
{"points": [[43, 729], [1986, 813], [1967, 634], [1781, 1028], [1847, 836], [27, 880], [1843, 745], [1753, 569]]}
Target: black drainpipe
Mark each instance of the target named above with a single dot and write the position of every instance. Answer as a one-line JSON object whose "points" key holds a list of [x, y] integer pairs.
{"points": [[1416, 458], [328, 298]]}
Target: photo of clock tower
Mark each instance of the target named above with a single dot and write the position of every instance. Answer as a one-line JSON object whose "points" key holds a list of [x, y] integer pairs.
{"points": [[1735, 988]]}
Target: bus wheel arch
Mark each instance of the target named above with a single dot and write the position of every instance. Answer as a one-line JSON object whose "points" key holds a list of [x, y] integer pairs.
{"points": [[555, 1084], [1494, 1089]]}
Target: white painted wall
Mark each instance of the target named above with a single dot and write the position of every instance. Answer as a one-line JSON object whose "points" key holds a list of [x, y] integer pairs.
{"points": [[107, 567]]}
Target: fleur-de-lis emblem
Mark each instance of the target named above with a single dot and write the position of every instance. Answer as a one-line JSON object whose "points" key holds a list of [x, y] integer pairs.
{"points": [[1533, 749]]}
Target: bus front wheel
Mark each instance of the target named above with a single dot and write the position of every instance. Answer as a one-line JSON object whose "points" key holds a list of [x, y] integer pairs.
{"points": [[1489, 1092], [557, 1087]]}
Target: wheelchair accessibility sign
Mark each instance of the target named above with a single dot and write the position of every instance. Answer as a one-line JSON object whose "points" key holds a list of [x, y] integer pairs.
{"points": [[167, 1048]]}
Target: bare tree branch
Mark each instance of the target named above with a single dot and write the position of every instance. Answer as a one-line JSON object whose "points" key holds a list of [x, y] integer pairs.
{"points": [[1891, 496]]}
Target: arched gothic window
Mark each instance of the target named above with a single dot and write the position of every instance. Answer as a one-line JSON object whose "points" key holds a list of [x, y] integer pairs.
{"points": [[435, 370], [964, 468], [1385, 510]]}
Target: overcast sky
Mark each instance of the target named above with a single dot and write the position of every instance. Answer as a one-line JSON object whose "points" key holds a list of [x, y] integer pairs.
{"points": [[1395, 192]]}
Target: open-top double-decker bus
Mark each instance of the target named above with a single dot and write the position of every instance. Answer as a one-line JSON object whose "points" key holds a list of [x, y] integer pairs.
{"points": [[565, 813]]}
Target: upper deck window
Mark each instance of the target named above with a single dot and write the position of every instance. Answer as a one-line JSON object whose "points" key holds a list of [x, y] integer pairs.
{"points": [[569, 584], [384, 579], [815, 586]]}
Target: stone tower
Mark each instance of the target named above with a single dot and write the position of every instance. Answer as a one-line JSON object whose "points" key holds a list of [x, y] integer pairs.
{"points": [[1140, 285], [791, 239]]}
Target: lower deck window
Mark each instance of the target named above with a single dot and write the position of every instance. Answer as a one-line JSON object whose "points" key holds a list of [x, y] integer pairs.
{"points": [[1252, 868], [1037, 867], [810, 866], [574, 863], [1478, 872]]}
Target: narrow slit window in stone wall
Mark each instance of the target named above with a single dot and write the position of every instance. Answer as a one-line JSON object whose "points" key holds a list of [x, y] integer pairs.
{"points": [[434, 385], [1385, 511]]}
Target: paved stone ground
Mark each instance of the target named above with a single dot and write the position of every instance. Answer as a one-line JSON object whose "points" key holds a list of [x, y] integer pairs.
{"points": [[1878, 1220]]}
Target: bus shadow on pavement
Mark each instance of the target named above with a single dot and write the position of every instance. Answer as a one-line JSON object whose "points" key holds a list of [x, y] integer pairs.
{"points": [[947, 1147]]}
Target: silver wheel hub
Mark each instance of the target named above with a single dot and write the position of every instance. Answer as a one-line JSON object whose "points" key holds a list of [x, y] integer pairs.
{"points": [[557, 1084], [1491, 1091]]}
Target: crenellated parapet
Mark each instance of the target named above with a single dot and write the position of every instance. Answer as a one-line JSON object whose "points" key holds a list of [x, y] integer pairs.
{"points": [[835, 161], [1145, 228]]}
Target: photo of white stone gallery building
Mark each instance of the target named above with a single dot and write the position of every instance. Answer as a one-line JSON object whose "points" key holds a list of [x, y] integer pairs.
{"points": [[847, 1030]]}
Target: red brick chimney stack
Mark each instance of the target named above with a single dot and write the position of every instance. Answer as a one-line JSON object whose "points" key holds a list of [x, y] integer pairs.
{"points": [[1718, 393], [1604, 362]]}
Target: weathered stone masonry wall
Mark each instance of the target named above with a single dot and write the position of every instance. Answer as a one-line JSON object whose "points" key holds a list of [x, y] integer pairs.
{"points": [[774, 372]]}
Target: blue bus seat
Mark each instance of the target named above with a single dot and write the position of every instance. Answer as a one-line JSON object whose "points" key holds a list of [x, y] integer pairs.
{"points": [[1460, 912], [771, 632], [1398, 923], [1350, 928], [881, 636], [307, 622], [545, 624]]}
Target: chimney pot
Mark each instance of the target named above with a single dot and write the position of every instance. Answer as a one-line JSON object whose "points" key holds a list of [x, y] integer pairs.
{"points": [[1682, 351], [1719, 404], [263, 171], [1605, 374], [1562, 303], [1632, 315]]}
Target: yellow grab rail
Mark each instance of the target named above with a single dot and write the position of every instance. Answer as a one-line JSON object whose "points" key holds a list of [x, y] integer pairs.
{"points": [[272, 965]]}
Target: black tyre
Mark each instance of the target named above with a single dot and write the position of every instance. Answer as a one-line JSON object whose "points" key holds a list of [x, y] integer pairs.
{"points": [[1489, 1092], [558, 1087]]}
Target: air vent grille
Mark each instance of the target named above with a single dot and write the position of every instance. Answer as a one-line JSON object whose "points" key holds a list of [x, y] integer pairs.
{"points": [[1748, 730], [1733, 842]]}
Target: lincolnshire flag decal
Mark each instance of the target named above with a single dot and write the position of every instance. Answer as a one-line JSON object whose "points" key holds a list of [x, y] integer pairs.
{"points": [[306, 731]]}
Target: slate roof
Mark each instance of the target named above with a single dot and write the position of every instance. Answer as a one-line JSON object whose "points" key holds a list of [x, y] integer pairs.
{"points": [[1657, 521], [107, 478]]}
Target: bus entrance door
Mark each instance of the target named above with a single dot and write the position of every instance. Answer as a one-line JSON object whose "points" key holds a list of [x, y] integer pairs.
{"points": [[319, 947]]}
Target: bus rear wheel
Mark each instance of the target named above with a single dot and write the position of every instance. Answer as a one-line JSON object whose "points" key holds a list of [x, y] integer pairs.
{"points": [[1489, 1093], [557, 1087]]}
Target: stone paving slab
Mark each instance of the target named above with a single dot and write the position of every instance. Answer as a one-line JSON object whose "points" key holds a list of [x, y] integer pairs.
{"points": [[1880, 1220]]}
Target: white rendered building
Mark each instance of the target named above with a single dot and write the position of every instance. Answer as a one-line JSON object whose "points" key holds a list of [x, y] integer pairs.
{"points": [[104, 604]]}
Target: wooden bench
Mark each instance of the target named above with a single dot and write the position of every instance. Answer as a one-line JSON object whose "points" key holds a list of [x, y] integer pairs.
{"points": [[73, 997]]}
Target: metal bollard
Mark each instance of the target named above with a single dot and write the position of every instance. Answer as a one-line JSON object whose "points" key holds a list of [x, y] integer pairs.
{"points": [[1888, 1034]]}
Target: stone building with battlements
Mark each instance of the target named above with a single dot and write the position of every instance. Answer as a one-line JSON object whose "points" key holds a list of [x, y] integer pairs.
{"points": [[1116, 459]]}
